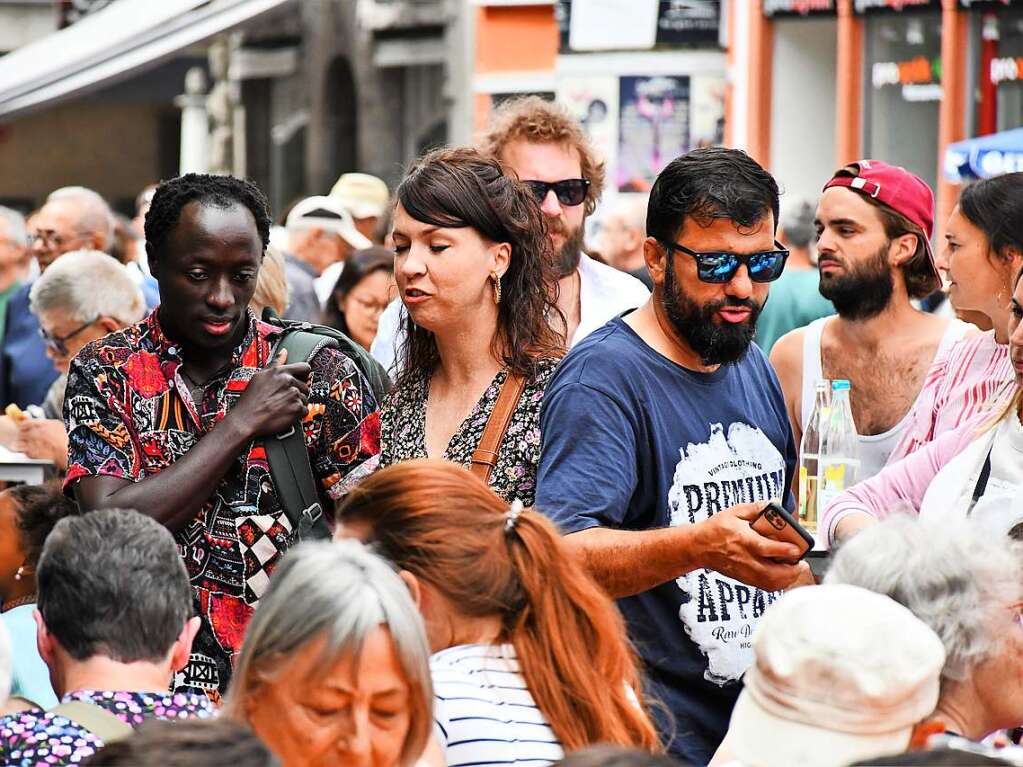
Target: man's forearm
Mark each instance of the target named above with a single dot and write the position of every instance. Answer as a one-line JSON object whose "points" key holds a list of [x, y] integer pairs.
{"points": [[175, 495], [627, 562]]}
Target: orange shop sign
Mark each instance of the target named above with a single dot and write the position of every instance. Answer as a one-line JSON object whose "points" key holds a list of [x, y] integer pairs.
{"points": [[917, 71]]}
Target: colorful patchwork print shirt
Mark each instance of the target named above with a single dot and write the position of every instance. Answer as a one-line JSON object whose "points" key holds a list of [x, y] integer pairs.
{"points": [[37, 738], [130, 415]]}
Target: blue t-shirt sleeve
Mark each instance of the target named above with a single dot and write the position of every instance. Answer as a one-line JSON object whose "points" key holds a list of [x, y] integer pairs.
{"points": [[587, 473]]}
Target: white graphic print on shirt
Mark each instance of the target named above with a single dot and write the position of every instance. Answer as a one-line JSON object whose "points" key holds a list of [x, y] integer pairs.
{"points": [[719, 613]]}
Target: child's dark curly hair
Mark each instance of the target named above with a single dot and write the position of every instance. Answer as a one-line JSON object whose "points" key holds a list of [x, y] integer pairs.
{"points": [[39, 508]]}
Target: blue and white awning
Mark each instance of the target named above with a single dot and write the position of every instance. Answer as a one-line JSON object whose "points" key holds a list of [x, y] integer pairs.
{"points": [[985, 156]]}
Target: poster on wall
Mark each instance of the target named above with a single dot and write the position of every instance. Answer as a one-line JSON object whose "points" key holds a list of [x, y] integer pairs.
{"points": [[594, 102], [706, 110], [662, 117]]}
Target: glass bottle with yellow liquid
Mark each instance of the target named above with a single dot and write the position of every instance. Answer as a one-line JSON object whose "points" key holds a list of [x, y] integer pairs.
{"points": [[839, 462], [809, 455]]}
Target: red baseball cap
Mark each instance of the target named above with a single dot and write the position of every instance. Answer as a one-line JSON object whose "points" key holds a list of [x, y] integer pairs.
{"points": [[895, 187]]}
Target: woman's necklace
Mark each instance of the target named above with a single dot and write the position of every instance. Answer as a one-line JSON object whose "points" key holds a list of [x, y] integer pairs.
{"points": [[25, 600]]}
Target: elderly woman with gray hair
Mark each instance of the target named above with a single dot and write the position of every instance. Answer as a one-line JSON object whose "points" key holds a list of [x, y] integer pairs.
{"points": [[335, 665], [967, 585], [82, 296]]}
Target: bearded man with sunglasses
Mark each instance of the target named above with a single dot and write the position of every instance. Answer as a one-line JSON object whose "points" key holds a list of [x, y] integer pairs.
{"points": [[542, 144], [664, 434]]}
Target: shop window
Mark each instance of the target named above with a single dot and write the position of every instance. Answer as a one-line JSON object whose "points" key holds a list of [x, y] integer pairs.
{"points": [[1002, 68], [903, 90]]}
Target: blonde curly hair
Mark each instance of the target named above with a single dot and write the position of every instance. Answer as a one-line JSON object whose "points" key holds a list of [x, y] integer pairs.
{"points": [[534, 119]]}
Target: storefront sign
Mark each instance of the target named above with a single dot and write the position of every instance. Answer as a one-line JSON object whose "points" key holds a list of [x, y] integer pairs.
{"points": [[1006, 70], [685, 22], [774, 8], [984, 5], [679, 22], [912, 72], [920, 77], [869, 6]]}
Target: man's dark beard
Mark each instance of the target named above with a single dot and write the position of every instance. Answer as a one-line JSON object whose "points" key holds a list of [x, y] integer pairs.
{"points": [[717, 343], [864, 291], [567, 259]]}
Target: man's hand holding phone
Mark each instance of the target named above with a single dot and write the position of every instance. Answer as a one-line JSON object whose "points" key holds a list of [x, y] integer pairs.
{"points": [[776, 523], [731, 546]]}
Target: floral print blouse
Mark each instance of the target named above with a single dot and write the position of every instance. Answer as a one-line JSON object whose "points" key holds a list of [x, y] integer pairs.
{"points": [[38, 738], [403, 432]]}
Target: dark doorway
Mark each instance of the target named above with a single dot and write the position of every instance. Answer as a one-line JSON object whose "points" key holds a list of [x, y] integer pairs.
{"points": [[340, 119]]}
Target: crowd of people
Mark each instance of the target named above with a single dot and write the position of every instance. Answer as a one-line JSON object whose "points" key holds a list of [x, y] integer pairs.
{"points": [[428, 478]]}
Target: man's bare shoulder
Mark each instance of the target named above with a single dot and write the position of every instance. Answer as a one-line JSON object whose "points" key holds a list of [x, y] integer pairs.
{"points": [[787, 352]]}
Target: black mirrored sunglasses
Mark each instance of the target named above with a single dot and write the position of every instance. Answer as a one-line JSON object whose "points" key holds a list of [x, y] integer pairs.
{"points": [[721, 267], [569, 191]]}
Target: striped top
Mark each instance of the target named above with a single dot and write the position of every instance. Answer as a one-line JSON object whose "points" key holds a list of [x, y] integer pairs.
{"points": [[974, 376], [483, 712]]}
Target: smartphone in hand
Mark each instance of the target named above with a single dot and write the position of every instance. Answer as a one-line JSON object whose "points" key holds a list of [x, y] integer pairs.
{"points": [[776, 523]]}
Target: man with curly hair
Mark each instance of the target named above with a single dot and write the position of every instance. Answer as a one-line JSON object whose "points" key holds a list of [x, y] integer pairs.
{"points": [[542, 144], [168, 415]]}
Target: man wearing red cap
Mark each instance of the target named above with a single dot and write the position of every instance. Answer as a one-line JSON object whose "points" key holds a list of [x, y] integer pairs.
{"points": [[874, 223]]}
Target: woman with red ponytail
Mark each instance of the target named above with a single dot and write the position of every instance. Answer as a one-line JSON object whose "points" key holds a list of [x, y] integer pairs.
{"points": [[530, 657]]}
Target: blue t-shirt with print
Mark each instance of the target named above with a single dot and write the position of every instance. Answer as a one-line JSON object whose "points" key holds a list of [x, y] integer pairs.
{"points": [[633, 441]]}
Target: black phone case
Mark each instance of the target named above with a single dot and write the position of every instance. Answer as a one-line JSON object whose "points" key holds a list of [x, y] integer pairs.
{"points": [[792, 522]]}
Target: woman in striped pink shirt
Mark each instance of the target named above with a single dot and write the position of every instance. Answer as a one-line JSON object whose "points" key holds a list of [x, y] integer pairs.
{"points": [[982, 254]]}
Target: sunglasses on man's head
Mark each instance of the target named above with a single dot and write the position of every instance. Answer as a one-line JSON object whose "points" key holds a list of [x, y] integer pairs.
{"points": [[570, 191], [719, 267]]}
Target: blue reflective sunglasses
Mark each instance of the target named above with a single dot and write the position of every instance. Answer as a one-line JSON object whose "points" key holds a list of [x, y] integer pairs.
{"points": [[718, 268]]}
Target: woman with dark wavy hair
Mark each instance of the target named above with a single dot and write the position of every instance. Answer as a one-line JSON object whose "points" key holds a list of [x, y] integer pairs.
{"points": [[475, 272]]}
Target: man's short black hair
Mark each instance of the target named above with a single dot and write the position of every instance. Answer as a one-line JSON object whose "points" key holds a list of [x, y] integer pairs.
{"points": [[112, 583], [219, 191], [710, 183]]}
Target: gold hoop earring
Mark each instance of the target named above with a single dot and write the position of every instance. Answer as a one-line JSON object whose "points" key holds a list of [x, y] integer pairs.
{"points": [[497, 287]]}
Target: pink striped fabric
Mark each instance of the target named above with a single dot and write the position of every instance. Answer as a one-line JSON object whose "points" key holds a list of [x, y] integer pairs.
{"points": [[973, 376]]}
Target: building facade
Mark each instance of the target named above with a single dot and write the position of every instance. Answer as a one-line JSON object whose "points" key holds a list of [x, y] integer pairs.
{"points": [[297, 91], [825, 82]]}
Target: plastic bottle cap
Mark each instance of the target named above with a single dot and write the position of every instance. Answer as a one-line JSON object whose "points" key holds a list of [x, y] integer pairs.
{"points": [[840, 384]]}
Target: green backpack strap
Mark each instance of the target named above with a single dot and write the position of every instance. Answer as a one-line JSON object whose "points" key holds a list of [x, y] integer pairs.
{"points": [[373, 371], [95, 719], [288, 456]]}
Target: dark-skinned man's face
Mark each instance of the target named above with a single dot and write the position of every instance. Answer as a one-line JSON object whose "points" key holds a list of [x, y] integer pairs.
{"points": [[207, 275]]}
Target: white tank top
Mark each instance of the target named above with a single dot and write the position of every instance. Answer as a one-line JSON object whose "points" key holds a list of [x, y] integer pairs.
{"points": [[874, 448]]}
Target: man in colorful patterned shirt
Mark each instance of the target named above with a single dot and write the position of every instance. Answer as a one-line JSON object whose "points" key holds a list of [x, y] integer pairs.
{"points": [[168, 415], [114, 615]]}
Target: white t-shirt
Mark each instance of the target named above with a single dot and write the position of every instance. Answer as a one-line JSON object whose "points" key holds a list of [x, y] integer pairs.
{"points": [[604, 292], [996, 508], [483, 712]]}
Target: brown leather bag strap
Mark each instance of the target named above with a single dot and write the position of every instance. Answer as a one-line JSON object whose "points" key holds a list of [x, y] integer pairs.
{"points": [[484, 457]]}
